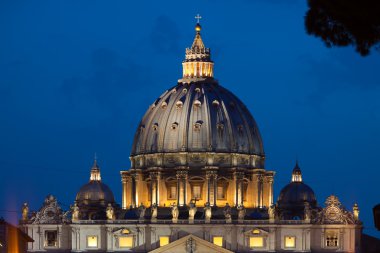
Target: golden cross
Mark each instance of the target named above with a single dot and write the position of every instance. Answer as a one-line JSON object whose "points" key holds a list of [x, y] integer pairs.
{"points": [[198, 17]]}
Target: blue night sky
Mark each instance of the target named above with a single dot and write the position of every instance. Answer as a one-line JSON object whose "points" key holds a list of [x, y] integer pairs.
{"points": [[77, 76]]}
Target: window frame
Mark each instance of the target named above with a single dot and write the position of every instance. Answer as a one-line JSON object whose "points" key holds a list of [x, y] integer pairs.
{"points": [[56, 238], [329, 234], [97, 242], [257, 233], [200, 185], [169, 191], [295, 242], [126, 236]]}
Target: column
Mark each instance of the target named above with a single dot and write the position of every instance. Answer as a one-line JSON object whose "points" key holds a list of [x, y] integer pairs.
{"points": [[137, 188], [181, 187], [154, 187], [134, 202], [127, 189], [238, 178], [270, 193], [260, 190], [211, 177]]}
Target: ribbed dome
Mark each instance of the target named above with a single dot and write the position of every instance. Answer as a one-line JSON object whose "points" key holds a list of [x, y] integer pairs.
{"points": [[94, 192], [201, 116], [297, 193], [197, 123]]}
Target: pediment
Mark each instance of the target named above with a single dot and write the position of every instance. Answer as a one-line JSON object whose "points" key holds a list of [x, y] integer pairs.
{"points": [[191, 243], [256, 231]]}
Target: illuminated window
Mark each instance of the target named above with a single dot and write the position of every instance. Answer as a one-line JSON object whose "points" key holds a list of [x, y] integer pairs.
{"points": [[51, 238], [196, 191], [172, 192], [332, 239], [164, 240], [220, 192], [92, 241], [290, 241], [126, 242], [218, 240], [256, 242]]}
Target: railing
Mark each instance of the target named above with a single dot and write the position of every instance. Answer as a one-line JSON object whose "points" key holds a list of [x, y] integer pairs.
{"points": [[183, 221]]}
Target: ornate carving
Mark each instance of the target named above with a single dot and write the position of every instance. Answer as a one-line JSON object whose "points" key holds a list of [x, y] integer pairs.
{"points": [[141, 211], [192, 210], [154, 210], [25, 212], [75, 212], [241, 212], [208, 212], [197, 158], [227, 213], [181, 174], [110, 212], [334, 213], [50, 213], [190, 245], [174, 211]]}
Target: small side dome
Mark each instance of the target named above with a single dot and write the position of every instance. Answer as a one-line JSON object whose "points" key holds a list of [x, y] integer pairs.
{"points": [[95, 192], [295, 196]]}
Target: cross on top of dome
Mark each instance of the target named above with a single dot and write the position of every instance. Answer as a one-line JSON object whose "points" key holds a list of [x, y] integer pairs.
{"points": [[197, 63]]}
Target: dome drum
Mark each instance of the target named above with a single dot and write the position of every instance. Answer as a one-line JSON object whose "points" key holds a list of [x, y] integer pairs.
{"points": [[197, 159]]}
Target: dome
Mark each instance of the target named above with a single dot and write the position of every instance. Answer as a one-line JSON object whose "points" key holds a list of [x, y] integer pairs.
{"points": [[296, 197], [94, 192], [198, 117], [297, 192]]}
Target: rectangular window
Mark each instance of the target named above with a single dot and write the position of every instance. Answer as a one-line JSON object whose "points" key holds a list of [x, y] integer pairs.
{"points": [[51, 238], [290, 241], [256, 242], [218, 240], [196, 191], [164, 240], [172, 192], [221, 192], [126, 242], [92, 241], [332, 240]]}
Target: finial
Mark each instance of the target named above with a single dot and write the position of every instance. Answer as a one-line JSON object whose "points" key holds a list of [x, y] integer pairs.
{"points": [[198, 27], [296, 174], [95, 170]]}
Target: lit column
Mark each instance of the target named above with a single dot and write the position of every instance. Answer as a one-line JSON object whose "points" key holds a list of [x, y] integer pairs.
{"points": [[133, 191], [238, 178], [208, 178], [153, 188], [124, 183], [270, 187], [260, 190], [181, 187], [211, 177]]}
